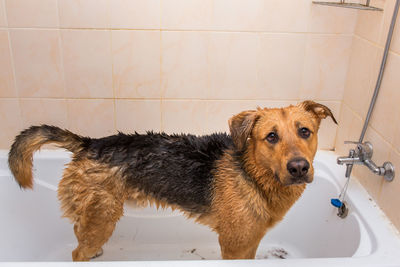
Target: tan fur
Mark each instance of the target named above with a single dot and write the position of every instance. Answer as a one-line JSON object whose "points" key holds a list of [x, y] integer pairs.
{"points": [[20, 160], [92, 197], [247, 204], [247, 200], [24, 166]]}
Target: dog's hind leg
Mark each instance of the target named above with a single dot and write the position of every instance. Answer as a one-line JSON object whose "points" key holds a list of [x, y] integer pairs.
{"points": [[95, 227], [92, 197]]}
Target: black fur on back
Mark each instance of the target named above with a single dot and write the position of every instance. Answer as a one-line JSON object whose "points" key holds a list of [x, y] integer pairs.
{"points": [[173, 168]]}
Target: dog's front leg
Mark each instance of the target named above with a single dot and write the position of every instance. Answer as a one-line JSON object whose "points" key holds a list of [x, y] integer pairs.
{"points": [[240, 241], [237, 248], [234, 250]]}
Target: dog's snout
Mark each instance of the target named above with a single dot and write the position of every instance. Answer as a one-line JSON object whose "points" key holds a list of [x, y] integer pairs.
{"points": [[298, 167]]}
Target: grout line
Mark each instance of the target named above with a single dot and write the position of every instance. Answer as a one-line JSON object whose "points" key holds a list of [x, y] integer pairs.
{"points": [[112, 83], [175, 99], [12, 63], [161, 70], [16, 90], [64, 81], [160, 27], [180, 30], [377, 45], [161, 91], [337, 126], [303, 67], [60, 47], [58, 14], [5, 14], [389, 144]]}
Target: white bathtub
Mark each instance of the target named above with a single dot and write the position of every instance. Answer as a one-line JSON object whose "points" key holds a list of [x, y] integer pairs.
{"points": [[32, 232]]}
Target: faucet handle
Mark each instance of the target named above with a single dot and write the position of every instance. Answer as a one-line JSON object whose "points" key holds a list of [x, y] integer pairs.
{"points": [[364, 150]]}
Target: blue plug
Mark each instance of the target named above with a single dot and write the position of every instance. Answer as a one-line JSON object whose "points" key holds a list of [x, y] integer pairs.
{"points": [[336, 203]]}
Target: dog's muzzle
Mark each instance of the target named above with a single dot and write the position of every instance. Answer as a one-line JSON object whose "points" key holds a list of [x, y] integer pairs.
{"points": [[298, 169]]}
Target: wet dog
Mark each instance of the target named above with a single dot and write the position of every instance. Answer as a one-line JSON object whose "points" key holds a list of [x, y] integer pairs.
{"points": [[240, 185]]}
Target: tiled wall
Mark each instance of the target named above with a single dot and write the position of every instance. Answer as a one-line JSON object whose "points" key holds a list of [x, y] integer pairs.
{"points": [[98, 66], [384, 128]]}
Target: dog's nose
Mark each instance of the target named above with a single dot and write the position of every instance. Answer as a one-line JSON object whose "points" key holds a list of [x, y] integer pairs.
{"points": [[298, 167]]}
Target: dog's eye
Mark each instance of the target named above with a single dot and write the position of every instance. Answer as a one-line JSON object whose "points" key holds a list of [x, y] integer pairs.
{"points": [[272, 137], [304, 132]]}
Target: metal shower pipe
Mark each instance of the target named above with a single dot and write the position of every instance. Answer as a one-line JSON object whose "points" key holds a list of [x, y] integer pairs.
{"points": [[381, 71]]}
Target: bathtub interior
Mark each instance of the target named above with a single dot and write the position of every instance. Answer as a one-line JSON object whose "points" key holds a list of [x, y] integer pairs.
{"points": [[32, 228]]}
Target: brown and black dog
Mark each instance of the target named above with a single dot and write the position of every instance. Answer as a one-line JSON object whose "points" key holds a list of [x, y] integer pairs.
{"points": [[240, 184]]}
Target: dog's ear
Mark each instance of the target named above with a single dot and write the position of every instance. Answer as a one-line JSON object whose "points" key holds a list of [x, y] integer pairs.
{"points": [[241, 126], [319, 110]]}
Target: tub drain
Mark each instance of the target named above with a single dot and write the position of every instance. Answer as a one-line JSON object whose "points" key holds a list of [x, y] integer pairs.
{"points": [[343, 211], [340, 203]]}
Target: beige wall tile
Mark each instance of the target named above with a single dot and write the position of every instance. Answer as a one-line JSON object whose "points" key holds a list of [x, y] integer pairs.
{"points": [[344, 124], [7, 84], [37, 61], [236, 15], [186, 14], [281, 62], [83, 13], [185, 64], [32, 13], [328, 129], [349, 129], [136, 64], [387, 103], [220, 111], [360, 77], [369, 23], [395, 44], [388, 8], [3, 20], [325, 67], [325, 19], [10, 117], [91, 117], [87, 63], [250, 15], [390, 196], [138, 115], [135, 14], [260, 15], [396, 140], [295, 14], [43, 111], [184, 116], [233, 66], [372, 182]]}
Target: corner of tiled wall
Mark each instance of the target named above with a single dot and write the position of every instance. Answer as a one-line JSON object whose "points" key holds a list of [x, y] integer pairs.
{"points": [[384, 127]]}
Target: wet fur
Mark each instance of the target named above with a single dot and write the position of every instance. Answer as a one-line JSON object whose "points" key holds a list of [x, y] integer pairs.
{"points": [[236, 184]]}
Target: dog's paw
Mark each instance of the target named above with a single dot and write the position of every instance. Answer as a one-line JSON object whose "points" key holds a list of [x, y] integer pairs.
{"points": [[98, 253]]}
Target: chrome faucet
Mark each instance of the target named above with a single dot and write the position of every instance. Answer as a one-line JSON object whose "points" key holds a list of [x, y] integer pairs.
{"points": [[362, 155]]}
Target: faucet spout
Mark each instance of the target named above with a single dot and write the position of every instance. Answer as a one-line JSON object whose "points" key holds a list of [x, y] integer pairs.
{"points": [[362, 156]]}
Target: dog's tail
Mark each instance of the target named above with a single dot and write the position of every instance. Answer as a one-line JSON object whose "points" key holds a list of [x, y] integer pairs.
{"points": [[30, 140]]}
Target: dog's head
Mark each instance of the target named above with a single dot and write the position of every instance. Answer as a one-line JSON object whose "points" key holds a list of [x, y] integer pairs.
{"points": [[281, 140]]}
